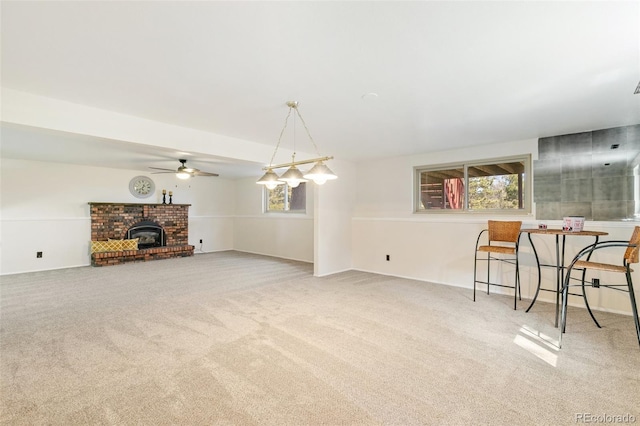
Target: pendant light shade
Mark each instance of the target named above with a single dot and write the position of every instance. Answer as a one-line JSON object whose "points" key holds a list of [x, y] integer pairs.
{"points": [[320, 173], [270, 179], [293, 177]]}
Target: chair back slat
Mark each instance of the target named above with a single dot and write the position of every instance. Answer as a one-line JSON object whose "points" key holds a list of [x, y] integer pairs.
{"points": [[506, 231], [631, 254]]}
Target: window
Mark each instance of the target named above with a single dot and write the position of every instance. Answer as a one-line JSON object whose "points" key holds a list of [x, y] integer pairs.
{"points": [[490, 185], [284, 198]]}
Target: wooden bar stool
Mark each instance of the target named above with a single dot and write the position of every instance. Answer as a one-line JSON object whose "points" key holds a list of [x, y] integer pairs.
{"points": [[502, 246]]}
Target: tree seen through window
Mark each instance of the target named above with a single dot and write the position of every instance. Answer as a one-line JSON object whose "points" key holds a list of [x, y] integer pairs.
{"points": [[284, 198], [494, 185]]}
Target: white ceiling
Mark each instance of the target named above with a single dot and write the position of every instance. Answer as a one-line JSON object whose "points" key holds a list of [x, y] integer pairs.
{"points": [[447, 74]]}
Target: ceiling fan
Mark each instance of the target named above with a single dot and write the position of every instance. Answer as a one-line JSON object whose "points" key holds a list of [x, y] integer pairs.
{"points": [[183, 171]]}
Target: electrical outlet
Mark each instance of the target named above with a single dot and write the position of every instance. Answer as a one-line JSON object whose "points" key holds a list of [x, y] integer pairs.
{"points": [[388, 258], [200, 240], [38, 254]]}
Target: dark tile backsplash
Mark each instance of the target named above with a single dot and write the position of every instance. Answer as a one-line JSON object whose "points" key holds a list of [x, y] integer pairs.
{"points": [[604, 210], [576, 209], [588, 174], [603, 139], [576, 190], [565, 145], [548, 210], [547, 190], [577, 166]]}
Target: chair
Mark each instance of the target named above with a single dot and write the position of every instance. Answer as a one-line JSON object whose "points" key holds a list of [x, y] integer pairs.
{"points": [[502, 246], [630, 256]]}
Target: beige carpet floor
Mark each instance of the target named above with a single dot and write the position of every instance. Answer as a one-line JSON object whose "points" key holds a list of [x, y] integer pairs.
{"points": [[237, 339]]}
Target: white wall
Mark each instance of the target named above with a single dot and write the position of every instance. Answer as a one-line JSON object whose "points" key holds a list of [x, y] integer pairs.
{"points": [[211, 212], [286, 235], [44, 207], [333, 225], [440, 247]]}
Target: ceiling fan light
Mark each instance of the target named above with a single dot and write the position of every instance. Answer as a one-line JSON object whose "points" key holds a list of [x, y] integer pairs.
{"points": [[270, 179], [320, 173], [183, 175], [293, 177]]}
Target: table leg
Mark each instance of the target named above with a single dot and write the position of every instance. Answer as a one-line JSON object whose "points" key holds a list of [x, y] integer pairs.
{"points": [[535, 253], [557, 277], [561, 282], [584, 293]]}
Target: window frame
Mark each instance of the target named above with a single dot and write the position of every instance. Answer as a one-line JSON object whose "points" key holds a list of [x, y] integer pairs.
{"points": [[265, 201], [465, 165]]}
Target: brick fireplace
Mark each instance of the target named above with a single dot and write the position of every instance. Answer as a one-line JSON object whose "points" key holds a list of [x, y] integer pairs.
{"points": [[115, 220]]}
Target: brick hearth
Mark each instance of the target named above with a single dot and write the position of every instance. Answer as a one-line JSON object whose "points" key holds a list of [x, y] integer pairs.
{"points": [[112, 220]]}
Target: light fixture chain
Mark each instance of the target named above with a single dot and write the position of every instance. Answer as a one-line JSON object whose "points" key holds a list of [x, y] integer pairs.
{"points": [[286, 120], [293, 157], [308, 133], [319, 173]]}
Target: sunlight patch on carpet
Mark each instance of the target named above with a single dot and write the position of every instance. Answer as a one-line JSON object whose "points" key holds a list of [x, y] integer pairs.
{"points": [[538, 344]]}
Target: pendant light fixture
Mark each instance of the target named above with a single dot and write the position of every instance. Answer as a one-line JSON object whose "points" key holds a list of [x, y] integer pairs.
{"points": [[319, 173]]}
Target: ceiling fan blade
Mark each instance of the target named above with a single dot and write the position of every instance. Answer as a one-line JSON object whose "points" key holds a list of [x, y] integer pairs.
{"points": [[183, 169], [159, 173], [199, 173]]}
